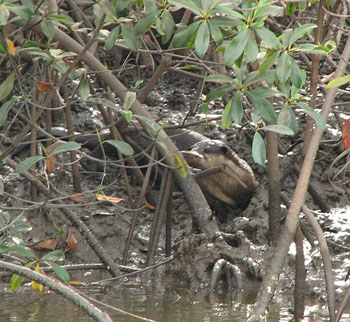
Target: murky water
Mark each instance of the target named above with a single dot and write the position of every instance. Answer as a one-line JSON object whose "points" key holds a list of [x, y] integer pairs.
{"points": [[170, 304]]}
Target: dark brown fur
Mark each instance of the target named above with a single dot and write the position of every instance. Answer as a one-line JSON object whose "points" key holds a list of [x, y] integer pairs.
{"points": [[201, 153], [236, 185]]}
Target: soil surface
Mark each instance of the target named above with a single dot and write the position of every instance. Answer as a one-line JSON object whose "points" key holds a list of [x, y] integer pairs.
{"points": [[241, 243]]}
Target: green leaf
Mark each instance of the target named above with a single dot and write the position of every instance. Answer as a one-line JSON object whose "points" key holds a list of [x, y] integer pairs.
{"points": [[226, 120], [219, 78], [103, 101], [215, 33], [27, 163], [281, 129], [122, 146], [290, 7], [283, 68], [4, 15], [287, 118], [266, 92], [300, 32], [16, 281], [285, 38], [302, 6], [295, 74], [295, 90], [84, 88], [252, 49], [53, 256], [205, 108], [4, 109], [263, 107], [20, 227], [236, 47], [22, 11], [230, 12], [145, 23], [268, 37], [130, 37], [188, 4], [129, 99], [237, 107], [66, 147], [182, 169], [22, 251], [127, 115], [316, 116], [270, 59], [339, 81], [181, 38], [6, 86], [266, 9], [225, 21], [3, 50], [61, 272], [218, 92], [112, 38], [201, 42], [4, 248], [259, 149], [168, 25], [48, 28]]}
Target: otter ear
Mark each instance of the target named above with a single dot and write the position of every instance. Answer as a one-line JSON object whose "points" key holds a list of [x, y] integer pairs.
{"points": [[223, 149]]}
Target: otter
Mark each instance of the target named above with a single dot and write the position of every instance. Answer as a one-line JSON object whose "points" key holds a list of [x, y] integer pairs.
{"points": [[232, 188]]}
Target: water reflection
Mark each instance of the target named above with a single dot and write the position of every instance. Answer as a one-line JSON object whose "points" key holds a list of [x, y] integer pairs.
{"points": [[157, 303]]}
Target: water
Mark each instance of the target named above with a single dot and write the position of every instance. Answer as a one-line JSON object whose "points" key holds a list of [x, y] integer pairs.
{"points": [[167, 304]]}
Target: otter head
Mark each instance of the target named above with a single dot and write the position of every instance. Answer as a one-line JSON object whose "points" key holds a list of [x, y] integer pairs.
{"points": [[207, 154]]}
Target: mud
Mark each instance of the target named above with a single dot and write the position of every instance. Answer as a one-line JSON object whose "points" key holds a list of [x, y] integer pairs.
{"points": [[242, 241]]}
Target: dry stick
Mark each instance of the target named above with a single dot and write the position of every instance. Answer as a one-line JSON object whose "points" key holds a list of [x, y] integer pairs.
{"points": [[274, 185], [326, 258], [116, 136], [343, 305], [139, 205], [62, 289], [75, 220], [165, 189], [70, 128], [108, 121], [300, 272], [312, 191], [300, 277], [163, 66], [314, 75], [20, 136], [200, 210], [81, 53], [269, 284], [168, 220]]}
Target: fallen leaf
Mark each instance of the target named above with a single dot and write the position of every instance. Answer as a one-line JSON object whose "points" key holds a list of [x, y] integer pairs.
{"points": [[71, 241], [77, 197], [346, 134], [50, 163], [48, 244], [11, 47], [43, 86], [150, 206], [108, 198], [37, 286]]}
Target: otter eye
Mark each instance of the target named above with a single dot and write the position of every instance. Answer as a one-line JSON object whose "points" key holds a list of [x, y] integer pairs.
{"points": [[206, 150]]}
